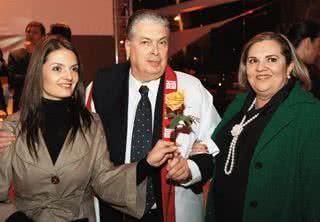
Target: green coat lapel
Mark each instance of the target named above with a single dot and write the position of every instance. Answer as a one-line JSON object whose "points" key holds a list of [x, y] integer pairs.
{"points": [[285, 114]]}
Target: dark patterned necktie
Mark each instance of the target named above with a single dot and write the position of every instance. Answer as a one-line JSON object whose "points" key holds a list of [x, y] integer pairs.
{"points": [[142, 137]]}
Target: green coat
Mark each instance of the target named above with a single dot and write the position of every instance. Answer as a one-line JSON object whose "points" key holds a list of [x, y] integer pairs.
{"points": [[287, 186]]}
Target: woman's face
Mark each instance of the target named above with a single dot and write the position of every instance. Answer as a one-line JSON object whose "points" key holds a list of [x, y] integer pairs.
{"points": [[266, 67], [60, 74]]}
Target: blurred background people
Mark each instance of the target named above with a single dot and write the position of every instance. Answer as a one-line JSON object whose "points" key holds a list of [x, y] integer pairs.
{"points": [[305, 36], [268, 168], [61, 29], [3, 78], [18, 60]]}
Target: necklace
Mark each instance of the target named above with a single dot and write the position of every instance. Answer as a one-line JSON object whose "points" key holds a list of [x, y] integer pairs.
{"points": [[235, 132]]}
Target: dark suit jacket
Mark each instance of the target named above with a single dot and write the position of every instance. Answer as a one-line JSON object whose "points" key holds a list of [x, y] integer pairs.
{"points": [[110, 95], [18, 62]]}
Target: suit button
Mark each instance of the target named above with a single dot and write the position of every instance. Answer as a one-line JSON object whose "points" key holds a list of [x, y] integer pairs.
{"points": [[55, 180], [258, 165], [253, 204]]}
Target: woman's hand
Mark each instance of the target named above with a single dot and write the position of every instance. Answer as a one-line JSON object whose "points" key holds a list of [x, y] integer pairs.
{"points": [[161, 152]]}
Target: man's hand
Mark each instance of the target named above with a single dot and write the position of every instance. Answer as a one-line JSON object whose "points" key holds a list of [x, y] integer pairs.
{"points": [[6, 139], [161, 152], [178, 169]]}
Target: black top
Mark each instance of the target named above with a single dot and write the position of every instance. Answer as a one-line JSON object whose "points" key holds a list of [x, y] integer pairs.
{"points": [[230, 189], [55, 125]]}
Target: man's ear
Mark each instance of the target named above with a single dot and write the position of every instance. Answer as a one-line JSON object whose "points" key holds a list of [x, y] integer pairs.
{"points": [[127, 47]]}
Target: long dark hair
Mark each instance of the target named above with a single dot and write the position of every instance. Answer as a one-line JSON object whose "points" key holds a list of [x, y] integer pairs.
{"points": [[31, 116]]}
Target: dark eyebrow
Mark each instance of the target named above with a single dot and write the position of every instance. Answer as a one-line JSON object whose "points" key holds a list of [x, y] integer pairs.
{"points": [[75, 65], [60, 64], [56, 63], [272, 56]]}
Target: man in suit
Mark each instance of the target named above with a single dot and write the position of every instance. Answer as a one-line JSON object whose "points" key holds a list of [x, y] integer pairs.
{"points": [[18, 60], [117, 93]]}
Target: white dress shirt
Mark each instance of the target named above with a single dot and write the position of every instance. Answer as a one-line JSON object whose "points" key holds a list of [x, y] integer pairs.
{"points": [[134, 98]]}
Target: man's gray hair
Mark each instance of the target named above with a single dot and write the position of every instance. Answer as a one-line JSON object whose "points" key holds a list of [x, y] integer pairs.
{"points": [[145, 14]]}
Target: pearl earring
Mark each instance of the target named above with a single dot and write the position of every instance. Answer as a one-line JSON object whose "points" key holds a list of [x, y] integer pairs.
{"points": [[289, 76]]}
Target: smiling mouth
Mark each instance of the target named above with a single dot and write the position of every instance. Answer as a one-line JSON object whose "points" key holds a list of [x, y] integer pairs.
{"points": [[154, 63], [264, 76], [66, 85]]}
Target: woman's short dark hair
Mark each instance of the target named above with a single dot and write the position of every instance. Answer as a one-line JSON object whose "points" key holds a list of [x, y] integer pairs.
{"points": [[32, 99], [299, 71], [301, 30], [61, 29]]}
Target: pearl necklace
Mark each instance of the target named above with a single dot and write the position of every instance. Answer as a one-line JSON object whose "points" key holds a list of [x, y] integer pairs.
{"points": [[235, 132]]}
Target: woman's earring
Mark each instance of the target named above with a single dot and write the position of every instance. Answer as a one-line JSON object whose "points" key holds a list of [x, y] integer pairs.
{"points": [[289, 76]]}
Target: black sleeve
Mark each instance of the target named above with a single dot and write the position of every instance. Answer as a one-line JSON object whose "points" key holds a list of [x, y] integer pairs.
{"points": [[144, 169], [205, 164], [11, 70], [18, 217]]}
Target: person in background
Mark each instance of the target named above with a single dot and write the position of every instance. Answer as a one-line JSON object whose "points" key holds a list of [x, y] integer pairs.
{"points": [[305, 36], [268, 168], [3, 73], [60, 156], [61, 29], [122, 93], [18, 60]]}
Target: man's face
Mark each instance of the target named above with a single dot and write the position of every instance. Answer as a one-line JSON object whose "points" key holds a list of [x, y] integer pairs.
{"points": [[33, 34], [148, 50]]}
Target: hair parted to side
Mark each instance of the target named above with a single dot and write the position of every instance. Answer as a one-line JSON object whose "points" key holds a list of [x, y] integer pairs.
{"points": [[37, 24], [145, 15], [32, 94], [299, 71]]}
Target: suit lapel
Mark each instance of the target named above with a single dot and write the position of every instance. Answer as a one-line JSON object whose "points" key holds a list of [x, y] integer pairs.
{"points": [[116, 112], [43, 162], [157, 123], [281, 118], [123, 116], [68, 153], [71, 152]]}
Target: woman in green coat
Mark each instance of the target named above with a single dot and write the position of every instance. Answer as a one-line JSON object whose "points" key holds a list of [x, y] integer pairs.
{"points": [[268, 168]]}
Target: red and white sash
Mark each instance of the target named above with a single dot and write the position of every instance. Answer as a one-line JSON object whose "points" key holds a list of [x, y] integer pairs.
{"points": [[167, 189]]}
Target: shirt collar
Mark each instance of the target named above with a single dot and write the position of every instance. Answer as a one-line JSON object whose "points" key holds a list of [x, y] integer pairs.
{"points": [[135, 84]]}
